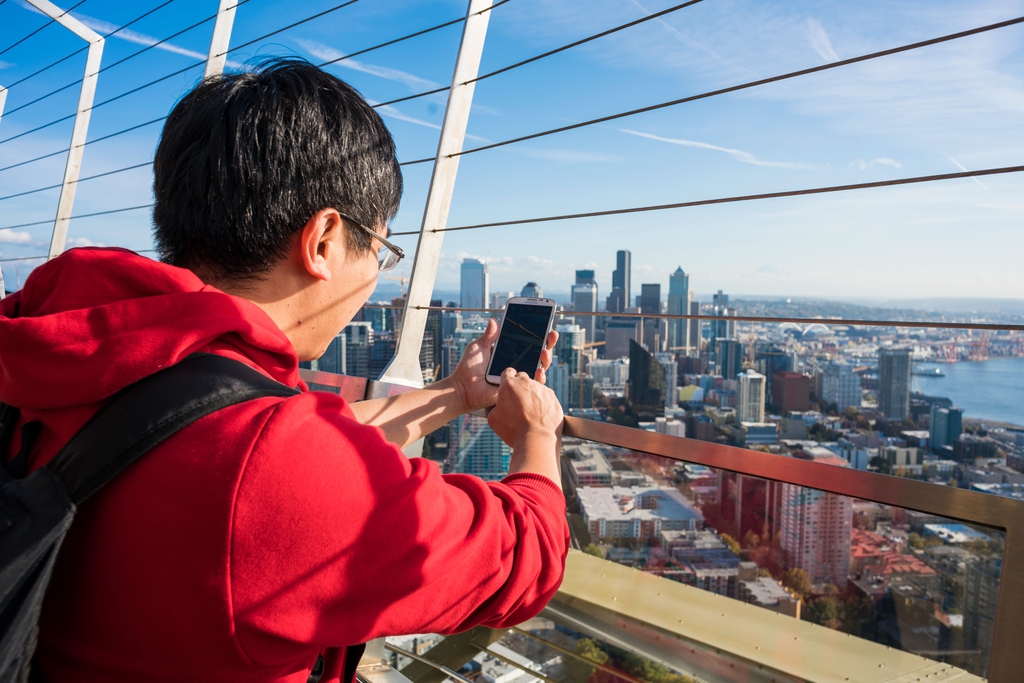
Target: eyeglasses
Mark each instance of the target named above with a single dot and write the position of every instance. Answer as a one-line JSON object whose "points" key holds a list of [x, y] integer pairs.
{"points": [[389, 255]]}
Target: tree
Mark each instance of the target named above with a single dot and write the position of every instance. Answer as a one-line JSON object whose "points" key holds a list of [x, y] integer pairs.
{"points": [[914, 540], [851, 413], [731, 543], [591, 649], [593, 549], [751, 540], [798, 581]]}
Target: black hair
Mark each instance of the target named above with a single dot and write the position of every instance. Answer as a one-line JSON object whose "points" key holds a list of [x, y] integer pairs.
{"points": [[246, 159]]}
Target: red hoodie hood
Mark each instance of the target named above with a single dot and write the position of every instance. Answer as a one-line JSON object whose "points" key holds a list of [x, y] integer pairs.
{"points": [[93, 321]]}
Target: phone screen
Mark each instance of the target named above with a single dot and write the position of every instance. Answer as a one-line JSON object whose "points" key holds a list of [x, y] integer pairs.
{"points": [[522, 339]]}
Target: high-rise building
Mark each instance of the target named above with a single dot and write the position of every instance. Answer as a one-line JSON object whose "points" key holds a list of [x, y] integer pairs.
{"points": [[650, 303], [668, 361], [728, 357], [791, 391], [695, 327], [750, 397], [476, 449], [581, 392], [557, 379], [622, 278], [569, 347], [475, 284], [618, 333], [584, 300], [840, 386], [720, 300], [894, 383], [498, 301], [678, 304], [609, 372], [646, 378], [816, 530], [770, 360], [358, 340], [532, 290], [585, 277], [723, 328], [945, 426]]}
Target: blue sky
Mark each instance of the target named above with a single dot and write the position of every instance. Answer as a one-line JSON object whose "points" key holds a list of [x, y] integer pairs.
{"points": [[935, 110]]}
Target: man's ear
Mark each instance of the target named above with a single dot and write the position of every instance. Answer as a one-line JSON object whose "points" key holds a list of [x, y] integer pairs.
{"points": [[319, 239]]}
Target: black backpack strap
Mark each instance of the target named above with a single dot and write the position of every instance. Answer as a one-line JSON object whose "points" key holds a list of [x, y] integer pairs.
{"points": [[151, 410]]}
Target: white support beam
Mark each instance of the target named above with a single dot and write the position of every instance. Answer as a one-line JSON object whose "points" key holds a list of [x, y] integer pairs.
{"points": [[82, 115], [405, 366], [3, 100], [218, 54]]}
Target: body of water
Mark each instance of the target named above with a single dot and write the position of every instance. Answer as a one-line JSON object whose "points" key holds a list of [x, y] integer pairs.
{"points": [[989, 390]]}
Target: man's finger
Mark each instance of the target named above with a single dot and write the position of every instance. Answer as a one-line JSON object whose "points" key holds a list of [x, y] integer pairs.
{"points": [[508, 374], [552, 339], [541, 376]]}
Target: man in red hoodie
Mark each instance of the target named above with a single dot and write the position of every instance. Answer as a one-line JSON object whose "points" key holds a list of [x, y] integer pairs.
{"points": [[273, 531]]}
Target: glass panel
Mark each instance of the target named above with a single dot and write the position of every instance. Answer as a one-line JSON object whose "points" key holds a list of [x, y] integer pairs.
{"points": [[907, 580]]}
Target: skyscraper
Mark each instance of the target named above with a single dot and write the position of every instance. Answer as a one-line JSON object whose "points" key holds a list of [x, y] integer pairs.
{"points": [[585, 277], [770, 360], [728, 357], [750, 397], [816, 530], [476, 449], [678, 304], [695, 327], [646, 379], [650, 303], [568, 348], [532, 290], [475, 284], [945, 426], [840, 386], [668, 361], [894, 383], [584, 300], [622, 278]]}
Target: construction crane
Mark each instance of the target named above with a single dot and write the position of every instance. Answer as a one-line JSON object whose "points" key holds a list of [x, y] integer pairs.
{"points": [[402, 279], [980, 347]]}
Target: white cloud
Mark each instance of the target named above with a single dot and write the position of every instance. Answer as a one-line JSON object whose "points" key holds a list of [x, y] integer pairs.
{"points": [[877, 161], [737, 154], [131, 36], [818, 39], [964, 168], [327, 53], [83, 242], [5, 65], [15, 237]]}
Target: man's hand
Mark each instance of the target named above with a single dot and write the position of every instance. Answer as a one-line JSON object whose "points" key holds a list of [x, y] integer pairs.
{"points": [[524, 405], [528, 418], [470, 377]]}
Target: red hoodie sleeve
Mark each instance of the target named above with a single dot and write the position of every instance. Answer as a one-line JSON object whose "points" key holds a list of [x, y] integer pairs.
{"points": [[338, 538]]}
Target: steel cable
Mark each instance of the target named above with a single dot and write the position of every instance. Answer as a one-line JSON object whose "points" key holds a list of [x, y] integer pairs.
{"points": [[751, 84], [112, 65], [52, 20], [80, 180], [89, 142], [543, 55], [740, 198], [289, 26], [83, 49], [81, 215]]}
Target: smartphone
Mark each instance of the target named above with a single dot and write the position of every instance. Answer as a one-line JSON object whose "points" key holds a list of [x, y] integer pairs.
{"points": [[524, 331]]}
